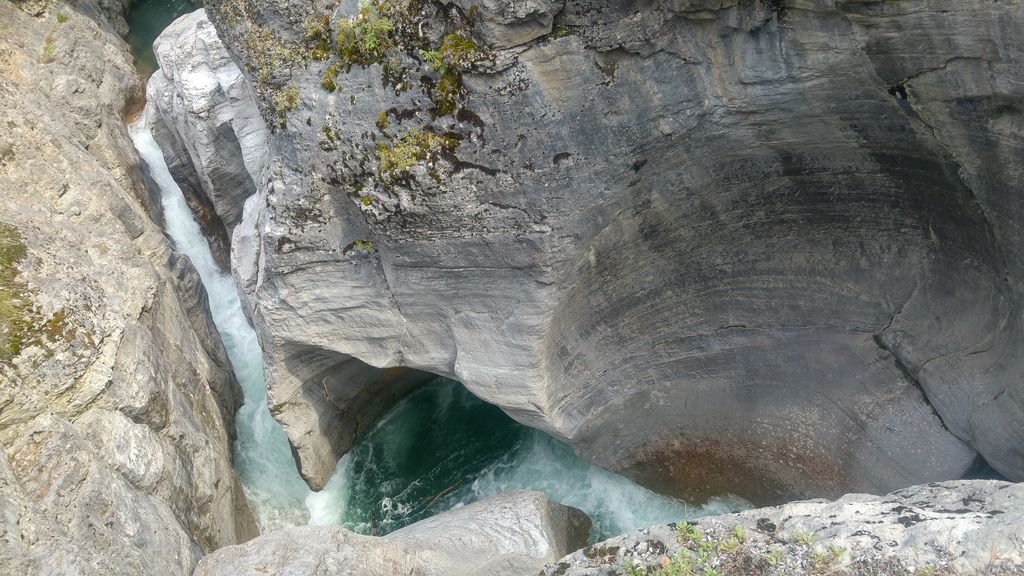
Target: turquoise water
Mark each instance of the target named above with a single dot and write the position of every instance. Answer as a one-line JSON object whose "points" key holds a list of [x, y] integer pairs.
{"points": [[146, 20], [441, 448]]}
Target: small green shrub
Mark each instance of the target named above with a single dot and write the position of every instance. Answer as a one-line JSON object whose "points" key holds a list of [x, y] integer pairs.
{"points": [[330, 79], [456, 54], [318, 34], [49, 50], [15, 307], [365, 39], [62, 17], [561, 31]]}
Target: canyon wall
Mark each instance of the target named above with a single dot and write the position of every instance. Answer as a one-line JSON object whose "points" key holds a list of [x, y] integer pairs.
{"points": [[770, 248], [116, 397]]}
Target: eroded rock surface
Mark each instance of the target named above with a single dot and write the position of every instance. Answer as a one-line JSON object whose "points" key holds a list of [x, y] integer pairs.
{"points": [[512, 533], [204, 117], [116, 396], [967, 527], [768, 248]]}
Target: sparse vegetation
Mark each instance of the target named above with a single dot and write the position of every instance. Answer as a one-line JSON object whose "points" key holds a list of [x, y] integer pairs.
{"points": [[561, 31], [456, 54], [15, 306], [730, 552], [318, 34], [411, 149], [330, 78], [21, 323], [285, 101], [365, 39], [62, 17]]}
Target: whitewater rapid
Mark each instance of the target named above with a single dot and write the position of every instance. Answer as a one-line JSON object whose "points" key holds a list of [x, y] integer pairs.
{"points": [[263, 458], [391, 479]]}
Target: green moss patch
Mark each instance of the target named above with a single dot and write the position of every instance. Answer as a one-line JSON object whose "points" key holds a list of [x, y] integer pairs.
{"points": [[15, 304], [411, 149], [285, 101]]}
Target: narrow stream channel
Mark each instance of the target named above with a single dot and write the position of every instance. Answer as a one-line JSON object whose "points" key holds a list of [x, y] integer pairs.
{"points": [[146, 20], [263, 458]]}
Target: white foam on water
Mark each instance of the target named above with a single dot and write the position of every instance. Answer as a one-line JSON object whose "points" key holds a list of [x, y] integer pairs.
{"points": [[614, 503], [263, 458]]}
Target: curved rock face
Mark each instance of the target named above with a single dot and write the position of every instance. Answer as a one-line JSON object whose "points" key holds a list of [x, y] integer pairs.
{"points": [[509, 534], [768, 248], [968, 527], [116, 397]]}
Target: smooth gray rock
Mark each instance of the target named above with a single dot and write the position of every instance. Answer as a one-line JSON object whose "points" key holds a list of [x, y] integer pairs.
{"points": [[966, 527], [512, 533], [117, 405], [205, 116], [767, 248], [508, 23]]}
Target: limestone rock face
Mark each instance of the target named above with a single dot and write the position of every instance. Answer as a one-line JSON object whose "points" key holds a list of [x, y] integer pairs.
{"points": [[966, 527], [511, 534], [116, 396], [508, 23], [768, 248], [206, 121]]}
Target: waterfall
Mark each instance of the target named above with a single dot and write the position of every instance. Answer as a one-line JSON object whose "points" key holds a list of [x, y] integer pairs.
{"points": [[263, 457], [438, 448]]}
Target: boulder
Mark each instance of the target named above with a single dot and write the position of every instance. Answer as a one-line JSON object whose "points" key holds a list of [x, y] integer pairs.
{"points": [[512, 533]]}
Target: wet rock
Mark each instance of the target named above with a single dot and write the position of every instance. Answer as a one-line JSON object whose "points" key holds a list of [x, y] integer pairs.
{"points": [[512, 533]]}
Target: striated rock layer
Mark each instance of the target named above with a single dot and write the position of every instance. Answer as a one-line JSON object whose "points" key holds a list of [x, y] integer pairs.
{"points": [[763, 247], [210, 130], [510, 534], [116, 396], [967, 527], [206, 121]]}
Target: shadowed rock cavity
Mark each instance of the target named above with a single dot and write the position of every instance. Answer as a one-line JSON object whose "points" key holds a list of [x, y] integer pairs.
{"points": [[760, 248], [327, 401]]}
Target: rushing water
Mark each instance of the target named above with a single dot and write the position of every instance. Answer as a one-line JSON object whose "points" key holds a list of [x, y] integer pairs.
{"points": [[262, 456], [146, 20], [442, 447], [438, 448]]}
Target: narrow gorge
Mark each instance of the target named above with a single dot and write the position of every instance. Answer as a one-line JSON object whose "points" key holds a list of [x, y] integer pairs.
{"points": [[508, 287]]}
